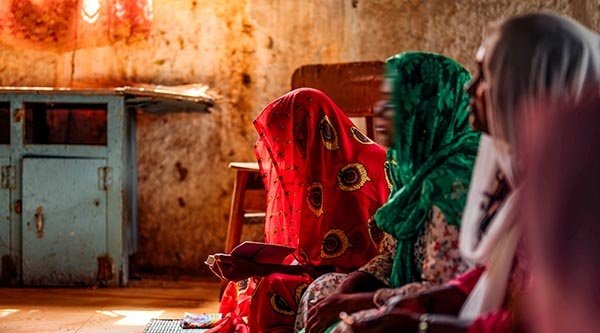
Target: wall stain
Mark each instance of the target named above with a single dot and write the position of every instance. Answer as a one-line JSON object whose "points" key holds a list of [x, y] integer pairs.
{"points": [[246, 79], [182, 172]]}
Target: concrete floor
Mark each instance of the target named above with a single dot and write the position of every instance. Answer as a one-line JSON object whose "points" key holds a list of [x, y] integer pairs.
{"points": [[104, 309]]}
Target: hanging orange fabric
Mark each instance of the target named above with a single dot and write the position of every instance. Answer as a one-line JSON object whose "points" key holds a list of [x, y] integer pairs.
{"points": [[67, 25]]}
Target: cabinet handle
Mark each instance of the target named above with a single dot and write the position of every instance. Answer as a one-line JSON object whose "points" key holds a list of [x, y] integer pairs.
{"points": [[39, 221]]}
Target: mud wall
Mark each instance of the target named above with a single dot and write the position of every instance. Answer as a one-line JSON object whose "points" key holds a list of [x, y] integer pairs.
{"points": [[246, 50]]}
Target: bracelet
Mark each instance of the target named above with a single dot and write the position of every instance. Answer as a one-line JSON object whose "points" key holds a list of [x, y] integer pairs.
{"points": [[424, 321]]}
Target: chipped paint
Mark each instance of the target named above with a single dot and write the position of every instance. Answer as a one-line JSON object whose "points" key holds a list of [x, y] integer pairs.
{"points": [[105, 269], [9, 270]]}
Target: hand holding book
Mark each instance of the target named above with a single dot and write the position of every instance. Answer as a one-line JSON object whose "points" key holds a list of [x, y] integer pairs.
{"points": [[251, 259]]}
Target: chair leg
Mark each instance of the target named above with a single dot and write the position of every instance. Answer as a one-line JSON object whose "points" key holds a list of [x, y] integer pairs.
{"points": [[236, 213], [236, 216]]}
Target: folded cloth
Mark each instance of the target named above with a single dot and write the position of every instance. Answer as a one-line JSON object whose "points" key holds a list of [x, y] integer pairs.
{"points": [[202, 320]]}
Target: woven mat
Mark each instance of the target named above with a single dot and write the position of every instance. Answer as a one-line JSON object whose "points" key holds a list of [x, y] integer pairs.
{"points": [[168, 326]]}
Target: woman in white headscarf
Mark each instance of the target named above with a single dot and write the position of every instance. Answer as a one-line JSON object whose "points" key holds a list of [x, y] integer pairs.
{"points": [[524, 62]]}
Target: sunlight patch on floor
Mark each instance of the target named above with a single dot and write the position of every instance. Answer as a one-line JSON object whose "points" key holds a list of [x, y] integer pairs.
{"points": [[132, 317], [7, 312]]}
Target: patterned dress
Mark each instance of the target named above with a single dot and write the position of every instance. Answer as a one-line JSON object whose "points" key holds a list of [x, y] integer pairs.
{"points": [[436, 253]]}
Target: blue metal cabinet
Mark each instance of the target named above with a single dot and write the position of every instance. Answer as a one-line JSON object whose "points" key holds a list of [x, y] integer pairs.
{"points": [[4, 210], [68, 194], [4, 187], [64, 220]]}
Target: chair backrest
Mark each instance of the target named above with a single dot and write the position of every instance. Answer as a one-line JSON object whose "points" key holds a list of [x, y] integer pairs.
{"points": [[353, 86]]}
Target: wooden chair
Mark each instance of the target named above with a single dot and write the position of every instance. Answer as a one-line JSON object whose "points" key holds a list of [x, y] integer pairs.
{"points": [[354, 87], [248, 203]]}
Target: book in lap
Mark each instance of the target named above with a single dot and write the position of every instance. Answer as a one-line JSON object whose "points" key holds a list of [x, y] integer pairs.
{"points": [[262, 252], [202, 320]]}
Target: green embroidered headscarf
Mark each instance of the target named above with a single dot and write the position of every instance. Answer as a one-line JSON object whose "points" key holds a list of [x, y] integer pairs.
{"points": [[432, 156]]}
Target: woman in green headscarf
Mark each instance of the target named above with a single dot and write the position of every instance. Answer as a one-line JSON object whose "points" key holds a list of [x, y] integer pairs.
{"points": [[430, 160]]}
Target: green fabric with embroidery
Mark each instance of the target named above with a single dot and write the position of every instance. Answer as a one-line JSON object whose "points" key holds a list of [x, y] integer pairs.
{"points": [[432, 156]]}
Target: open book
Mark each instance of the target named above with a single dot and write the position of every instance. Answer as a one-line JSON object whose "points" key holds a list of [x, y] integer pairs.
{"points": [[263, 252]]}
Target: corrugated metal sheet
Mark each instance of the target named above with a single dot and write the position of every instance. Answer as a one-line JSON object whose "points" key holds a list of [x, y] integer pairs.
{"points": [[149, 97]]}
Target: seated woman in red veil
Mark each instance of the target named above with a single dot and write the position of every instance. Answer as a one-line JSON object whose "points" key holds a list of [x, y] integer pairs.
{"points": [[325, 179]]}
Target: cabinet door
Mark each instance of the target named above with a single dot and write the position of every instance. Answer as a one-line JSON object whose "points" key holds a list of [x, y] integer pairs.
{"points": [[4, 209], [64, 221]]}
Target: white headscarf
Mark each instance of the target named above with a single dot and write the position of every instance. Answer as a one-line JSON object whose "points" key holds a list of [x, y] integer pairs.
{"points": [[537, 58], [497, 247], [563, 61]]}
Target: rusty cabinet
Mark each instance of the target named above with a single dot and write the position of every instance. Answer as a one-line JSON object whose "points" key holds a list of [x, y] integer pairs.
{"points": [[68, 190]]}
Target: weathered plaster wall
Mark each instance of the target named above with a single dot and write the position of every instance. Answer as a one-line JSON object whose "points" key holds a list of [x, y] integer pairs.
{"points": [[247, 50]]}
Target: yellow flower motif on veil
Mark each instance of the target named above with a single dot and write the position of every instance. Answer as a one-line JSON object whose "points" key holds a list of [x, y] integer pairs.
{"points": [[360, 137], [328, 134], [352, 177], [335, 244]]}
